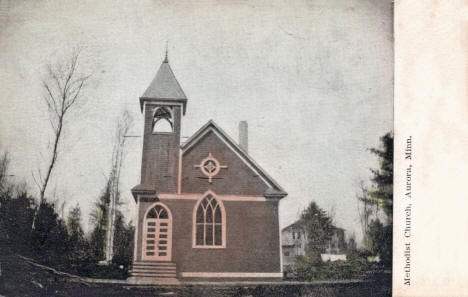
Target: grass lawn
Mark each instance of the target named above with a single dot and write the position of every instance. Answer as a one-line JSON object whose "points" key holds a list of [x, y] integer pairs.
{"points": [[21, 277]]}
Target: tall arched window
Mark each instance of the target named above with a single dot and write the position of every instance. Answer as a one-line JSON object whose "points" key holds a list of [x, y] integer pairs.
{"points": [[209, 223], [162, 120]]}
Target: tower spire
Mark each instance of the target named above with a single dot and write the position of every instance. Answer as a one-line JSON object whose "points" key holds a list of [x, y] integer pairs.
{"points": [[164, 86], [166, 60]]}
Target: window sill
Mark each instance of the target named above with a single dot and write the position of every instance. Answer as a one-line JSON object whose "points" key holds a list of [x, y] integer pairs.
{"points": [[209, 247], [162, 133]]}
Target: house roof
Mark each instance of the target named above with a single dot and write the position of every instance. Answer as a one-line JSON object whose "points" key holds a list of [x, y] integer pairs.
{"points": [[296, 225], [274, 190], [164, 87]]}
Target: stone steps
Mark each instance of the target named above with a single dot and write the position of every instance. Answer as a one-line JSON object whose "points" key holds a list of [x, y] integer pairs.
{"points": [[154, 269]]}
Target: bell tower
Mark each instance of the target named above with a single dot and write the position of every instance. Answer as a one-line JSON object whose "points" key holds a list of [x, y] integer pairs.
{"points": [[163, 104]]}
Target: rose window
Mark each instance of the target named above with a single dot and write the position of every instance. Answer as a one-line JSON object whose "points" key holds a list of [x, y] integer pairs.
{"points": [[210, 167]]}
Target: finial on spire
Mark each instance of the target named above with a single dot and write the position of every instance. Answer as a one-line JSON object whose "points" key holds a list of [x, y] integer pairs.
{"points": [[166, 60]]}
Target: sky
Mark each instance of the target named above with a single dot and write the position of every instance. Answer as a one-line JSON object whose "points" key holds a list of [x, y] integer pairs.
{"points": [[313, 78]]}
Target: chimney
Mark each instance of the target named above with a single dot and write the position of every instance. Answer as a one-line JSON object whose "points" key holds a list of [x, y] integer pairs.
{"points": [[244, 135]]}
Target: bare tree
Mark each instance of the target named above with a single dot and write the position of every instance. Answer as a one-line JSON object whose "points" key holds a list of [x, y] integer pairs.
{"points": [[332, 212], [63, 86], [4, 163], [118, 155], [365, 210]]}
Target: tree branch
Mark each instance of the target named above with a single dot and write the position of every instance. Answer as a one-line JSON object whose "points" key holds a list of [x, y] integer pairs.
{"points": [[63, 86]]}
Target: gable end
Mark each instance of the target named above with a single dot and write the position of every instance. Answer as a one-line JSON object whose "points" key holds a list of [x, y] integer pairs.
{"points": [[272, 188]]}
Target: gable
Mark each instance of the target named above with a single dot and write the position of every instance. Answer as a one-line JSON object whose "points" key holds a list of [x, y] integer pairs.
{"points": [[274, 190], [237, 178]]}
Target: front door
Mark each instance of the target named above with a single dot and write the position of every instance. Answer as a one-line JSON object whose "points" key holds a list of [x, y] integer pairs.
{"points": [[157, 234]]}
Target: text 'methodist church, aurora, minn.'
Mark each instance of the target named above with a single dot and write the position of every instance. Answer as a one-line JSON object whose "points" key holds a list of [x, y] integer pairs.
{"points": [[205, 209]]}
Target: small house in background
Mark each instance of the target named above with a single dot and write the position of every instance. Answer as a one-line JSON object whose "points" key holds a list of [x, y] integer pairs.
{"points": [[294, 241]]}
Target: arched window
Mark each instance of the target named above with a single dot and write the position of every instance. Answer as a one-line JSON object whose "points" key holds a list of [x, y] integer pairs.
{"points": [[162, 120], [209, 223], [157, 212]]}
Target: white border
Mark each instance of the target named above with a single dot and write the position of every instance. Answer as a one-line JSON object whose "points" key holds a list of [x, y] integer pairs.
{"points": [[231, 274], [135, 237], [280, 243], [170, 196], [161, 102], [179, 174]]}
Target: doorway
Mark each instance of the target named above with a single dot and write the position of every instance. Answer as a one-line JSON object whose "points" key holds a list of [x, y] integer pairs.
{"points": [[157, 234]]}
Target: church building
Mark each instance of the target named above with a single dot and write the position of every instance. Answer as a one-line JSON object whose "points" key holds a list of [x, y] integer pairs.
{"points": [[205, 208]]}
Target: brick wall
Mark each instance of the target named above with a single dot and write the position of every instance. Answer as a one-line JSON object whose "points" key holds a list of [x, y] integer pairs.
{"points": [[237, 179], [252, 238], [161, 153]]}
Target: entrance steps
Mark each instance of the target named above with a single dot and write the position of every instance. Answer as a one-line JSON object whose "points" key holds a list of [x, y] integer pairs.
{"points": [[154, 269]]}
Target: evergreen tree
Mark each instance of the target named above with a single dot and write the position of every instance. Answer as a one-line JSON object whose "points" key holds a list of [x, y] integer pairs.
{"points": [[49, 236], [99, 219], [352, 246], [76, 240], [319, 228], [74, 225], [376, 236], [123, 242], [379, 236], [16, 217], [382, 191], [380, 241]]}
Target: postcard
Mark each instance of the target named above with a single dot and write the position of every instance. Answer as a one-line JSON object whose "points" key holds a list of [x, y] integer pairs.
{"points": [[231, 148]]}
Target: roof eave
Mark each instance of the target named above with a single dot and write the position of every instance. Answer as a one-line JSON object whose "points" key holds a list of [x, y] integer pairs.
{"points": [[142, 190], [177, 100], [278, 195], [297, 223]]}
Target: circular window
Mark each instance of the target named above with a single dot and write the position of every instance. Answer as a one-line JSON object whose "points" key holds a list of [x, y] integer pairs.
{"points": [[210, 167]]}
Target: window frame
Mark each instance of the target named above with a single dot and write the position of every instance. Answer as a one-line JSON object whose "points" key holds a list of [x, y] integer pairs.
{"points": [[223, 224]]}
